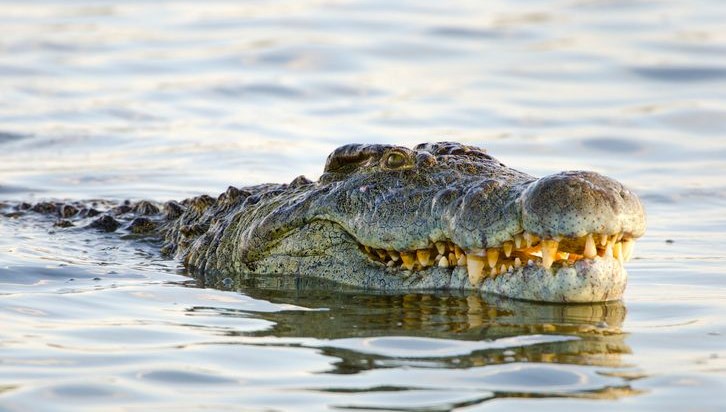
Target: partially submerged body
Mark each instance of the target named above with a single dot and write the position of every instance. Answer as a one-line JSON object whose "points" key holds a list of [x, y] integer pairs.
{"points": [[440, 216]]}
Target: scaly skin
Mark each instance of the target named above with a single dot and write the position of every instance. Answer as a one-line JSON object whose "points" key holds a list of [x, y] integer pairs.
{"points": [[443, 192], [362, 223]]}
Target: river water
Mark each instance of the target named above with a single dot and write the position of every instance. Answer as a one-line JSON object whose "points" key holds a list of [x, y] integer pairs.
{"points": [[169, 99]]}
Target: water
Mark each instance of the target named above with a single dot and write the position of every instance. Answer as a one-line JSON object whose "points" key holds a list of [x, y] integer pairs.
{"points": [[162, 100]]}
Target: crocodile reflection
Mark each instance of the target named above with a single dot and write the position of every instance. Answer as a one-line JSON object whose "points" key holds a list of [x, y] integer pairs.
{"points": [[462, 316]]}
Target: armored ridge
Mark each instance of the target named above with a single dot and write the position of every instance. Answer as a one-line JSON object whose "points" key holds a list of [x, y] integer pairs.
{"points": [[440, 216]]}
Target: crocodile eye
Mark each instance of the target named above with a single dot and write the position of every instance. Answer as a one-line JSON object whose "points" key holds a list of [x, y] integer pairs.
{"points": [[395, 160]]}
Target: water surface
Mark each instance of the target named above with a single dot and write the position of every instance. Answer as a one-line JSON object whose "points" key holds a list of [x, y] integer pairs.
{"points": [[165, 100]]}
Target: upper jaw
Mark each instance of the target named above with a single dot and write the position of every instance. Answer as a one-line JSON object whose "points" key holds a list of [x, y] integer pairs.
{"points": [[564, 237]]}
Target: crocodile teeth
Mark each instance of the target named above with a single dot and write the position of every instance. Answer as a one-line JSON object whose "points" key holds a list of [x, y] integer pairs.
{"points": [[408, 260], [394, 255], [452, 259], [603, 239], [628, 249], [608, 250], [381, 254], [475, 267], [518, 240], [443, 262], [590, 249], [462, 260], [503, 268], [507, 247], [441, 247], [517, 262], [549, 251], [494, 272], [492, 257], [618, 251], [424, 257]]}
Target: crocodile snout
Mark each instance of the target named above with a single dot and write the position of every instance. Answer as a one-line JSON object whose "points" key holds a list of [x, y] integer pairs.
{"points": [[575, 203]]}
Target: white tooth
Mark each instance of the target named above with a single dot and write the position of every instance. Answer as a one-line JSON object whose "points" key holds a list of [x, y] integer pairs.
{"points": [[590, 249], [603, 239], [493, 272], [475, 267], [441, 247], [424, 257], [549, 251], [492, 257], [517, 262], [530, 262], [507, 247], [609, 250], [510, 268], [462, 260], [618, 251], [390, 263], [503, 269], [628, 249], [408, 260], [443, 262], [458, 252], [394, 255], [518, 240]]}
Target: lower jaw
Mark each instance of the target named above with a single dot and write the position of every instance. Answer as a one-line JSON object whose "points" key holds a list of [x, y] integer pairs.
{"points": [[600, 279], [587, 280]]}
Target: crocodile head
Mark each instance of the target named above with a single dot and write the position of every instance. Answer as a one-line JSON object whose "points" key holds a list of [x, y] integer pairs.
{"points": [[442, 216]]}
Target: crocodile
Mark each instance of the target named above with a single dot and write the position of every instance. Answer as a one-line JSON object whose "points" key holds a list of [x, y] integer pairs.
{"points": [[440, 216]]}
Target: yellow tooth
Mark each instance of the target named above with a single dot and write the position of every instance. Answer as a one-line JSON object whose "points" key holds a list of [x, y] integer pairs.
{"points": [[518, 240], [603, 239], [530, 239], [462, 260], [368, 249], [408, 260], [503, 269], [424, 257], [590, 249], [618, 251], [381, 254], [517, 262], [475, 267], [507, 247], [394, 255], [452, 259], [443, 262], [458, 252], [493, 272], [628, 249], [441, 247], [492, 257], [549, 251]]}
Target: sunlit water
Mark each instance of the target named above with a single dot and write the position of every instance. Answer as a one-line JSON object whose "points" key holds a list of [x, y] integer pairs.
{"points": [[163, 100]]}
